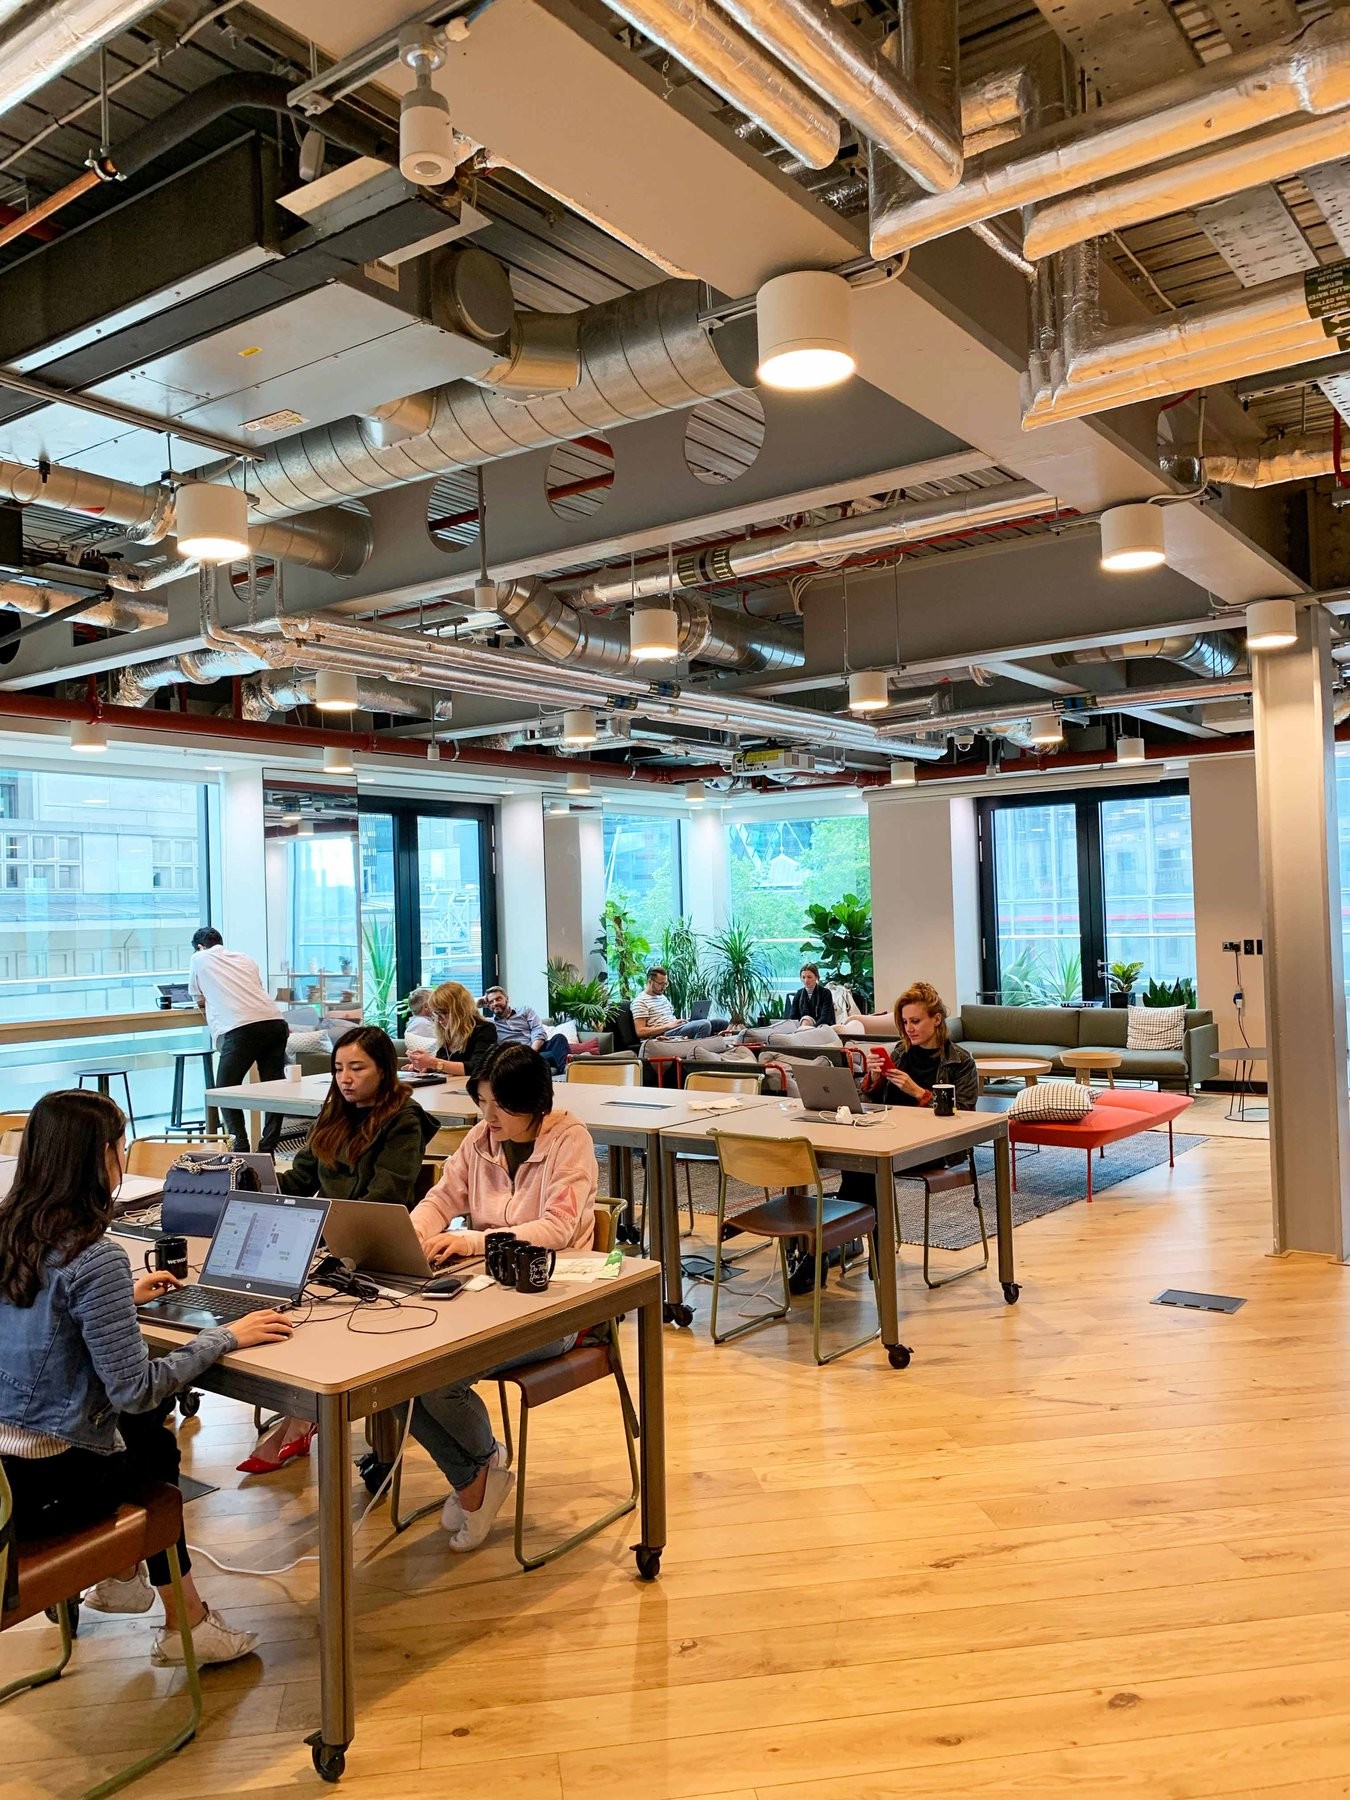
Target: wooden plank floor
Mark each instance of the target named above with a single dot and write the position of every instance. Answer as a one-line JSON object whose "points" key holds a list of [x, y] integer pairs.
{"points": [[1084, 1544]]}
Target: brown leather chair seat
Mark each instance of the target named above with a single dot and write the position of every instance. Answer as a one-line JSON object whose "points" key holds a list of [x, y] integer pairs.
{"points": [[794, 1215], [538, 1383], [941, 1178], [55, 1569]]}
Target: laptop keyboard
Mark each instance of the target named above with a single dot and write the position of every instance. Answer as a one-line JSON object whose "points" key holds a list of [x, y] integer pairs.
{"points": [[225, 1306]]}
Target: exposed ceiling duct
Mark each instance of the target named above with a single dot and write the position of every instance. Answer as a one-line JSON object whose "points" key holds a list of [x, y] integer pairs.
{"points": [[337, 541], [909, 522], [642, 354], [125, 614], [1300, 456], [555, 628], [45, 39], [1238, 94], [283, 690], [1210, 653], [1004, 721]]}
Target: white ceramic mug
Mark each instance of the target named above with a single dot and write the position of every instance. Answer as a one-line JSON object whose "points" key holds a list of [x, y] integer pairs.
{"points": [[294, 1072]]}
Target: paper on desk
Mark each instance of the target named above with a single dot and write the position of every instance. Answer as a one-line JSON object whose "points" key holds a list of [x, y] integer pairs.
{"points": [[588, 1265], [728, 1103]]}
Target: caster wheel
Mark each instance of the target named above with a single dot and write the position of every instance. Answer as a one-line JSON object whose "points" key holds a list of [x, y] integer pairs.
{"points": [[648, 1564], [900, 1355], [1011, 1292], [330, 1760], [678, 1314], [189, 1405]]}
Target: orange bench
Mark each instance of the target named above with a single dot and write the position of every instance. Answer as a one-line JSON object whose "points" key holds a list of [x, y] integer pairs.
{"points": [[1116, 1113]]}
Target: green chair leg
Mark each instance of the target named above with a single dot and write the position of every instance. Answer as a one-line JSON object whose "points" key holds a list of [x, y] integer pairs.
{"points": [[186, 1732], [846, 1349], [764, 1318], [42, 1676], [396, 1494], [940, 1281]]}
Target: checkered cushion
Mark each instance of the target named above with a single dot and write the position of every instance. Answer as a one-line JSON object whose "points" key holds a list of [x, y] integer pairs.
{"points": [[1052, 1100], [1155, 1028]]}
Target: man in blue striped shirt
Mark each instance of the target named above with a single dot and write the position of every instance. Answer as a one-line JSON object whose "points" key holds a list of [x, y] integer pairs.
{"points": [[524, 1026]]}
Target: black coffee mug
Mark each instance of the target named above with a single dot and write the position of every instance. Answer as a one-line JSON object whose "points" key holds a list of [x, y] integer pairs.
{"points": [[534, 1264], [499, 1255], [944, 1100], [169, 1253]]}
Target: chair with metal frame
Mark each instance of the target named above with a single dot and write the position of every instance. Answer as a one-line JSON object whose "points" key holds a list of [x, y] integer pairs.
{"points": [[803, 1211], [703, 1081], [53, 1571], [601, 1072], [538, 1383], [156, 1156], [941, 1178]]}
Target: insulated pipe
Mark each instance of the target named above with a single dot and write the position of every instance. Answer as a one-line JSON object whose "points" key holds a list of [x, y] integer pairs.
{"points": [[337, 541], [911, 521], [154, 572], [1175, 187], [1238, 94], [112, 615], [1298, 457], [283, 690], [720, 55], [53, 35], [642, 354], [837, 62], [996, 104], [1084, 706], [200, 667], [1211, 653]]}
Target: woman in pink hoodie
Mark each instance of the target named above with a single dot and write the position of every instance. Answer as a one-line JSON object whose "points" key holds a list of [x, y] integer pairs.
{"points": [[523, 1168]]}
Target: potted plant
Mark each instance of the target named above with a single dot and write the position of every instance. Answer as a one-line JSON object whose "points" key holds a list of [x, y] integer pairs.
{"points": [[682, 955], [622, 948], [739, 975], [839, 938], [571, 996], [379, 973], [1174, 993], [1120, 980]]}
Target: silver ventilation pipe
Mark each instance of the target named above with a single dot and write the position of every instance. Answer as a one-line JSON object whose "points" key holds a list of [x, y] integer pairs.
{"points": [[1241, 93], [338, 542], [725, 59], [995, 109], [1211, 653], [853, 75], [153, 572], [1000, 721], [1301, 456], [138, 682], [284, 690], [48, 38], [555, 628], [641, 354], [909, 522], [111, 615]]}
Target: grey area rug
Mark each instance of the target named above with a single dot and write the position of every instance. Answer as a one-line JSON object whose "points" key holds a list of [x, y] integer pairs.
{"points": [[1047, 1180]]}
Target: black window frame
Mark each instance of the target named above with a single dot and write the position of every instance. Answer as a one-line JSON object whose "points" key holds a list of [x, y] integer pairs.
{"points": [[1087, 804]]}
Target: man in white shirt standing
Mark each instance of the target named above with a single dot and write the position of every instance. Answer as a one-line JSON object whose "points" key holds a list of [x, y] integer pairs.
{"points": [[245, 1022]]}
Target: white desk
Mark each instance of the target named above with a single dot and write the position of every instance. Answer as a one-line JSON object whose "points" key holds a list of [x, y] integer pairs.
{"points": [[333, 1375]]}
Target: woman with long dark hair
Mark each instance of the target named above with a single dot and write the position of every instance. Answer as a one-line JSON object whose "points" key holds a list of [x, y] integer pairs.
{"points": [[82, 1404]]}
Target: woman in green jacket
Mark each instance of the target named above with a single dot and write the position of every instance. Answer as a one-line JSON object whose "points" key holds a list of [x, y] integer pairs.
{"points": [[366, 1144]]}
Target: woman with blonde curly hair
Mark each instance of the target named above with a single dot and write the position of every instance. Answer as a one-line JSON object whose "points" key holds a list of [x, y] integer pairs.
{"points": [[464, 1038], [929, 1058]]}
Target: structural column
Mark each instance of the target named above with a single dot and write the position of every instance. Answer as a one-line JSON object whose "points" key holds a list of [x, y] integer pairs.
{"points": [[522, 925], [1301, 894]]}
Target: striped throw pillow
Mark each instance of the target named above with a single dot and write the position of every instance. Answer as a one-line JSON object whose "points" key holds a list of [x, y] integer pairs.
{"points": [[1048, 1102], [1155, 1028]]}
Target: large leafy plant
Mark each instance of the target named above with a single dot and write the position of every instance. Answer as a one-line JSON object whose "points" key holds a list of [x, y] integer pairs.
{"points": [[572, 996], [379, 973], [1121, 976], [682, 955], [740, 978], [623, 948], [1174, 993], [1027, 981], [839, 938]]}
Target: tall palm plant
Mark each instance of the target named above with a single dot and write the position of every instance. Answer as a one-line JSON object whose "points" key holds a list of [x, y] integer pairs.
{"points": [[739, 974], [379, 972], [682, 956]]}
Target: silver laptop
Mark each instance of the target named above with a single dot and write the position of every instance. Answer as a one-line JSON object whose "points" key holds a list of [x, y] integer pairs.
{"points": [[825, 1089], [377, 1237], [260, 1256]]}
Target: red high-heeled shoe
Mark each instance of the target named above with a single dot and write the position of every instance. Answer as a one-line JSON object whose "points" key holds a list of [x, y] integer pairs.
{"points": [[262, 1465], [297, 1446]]}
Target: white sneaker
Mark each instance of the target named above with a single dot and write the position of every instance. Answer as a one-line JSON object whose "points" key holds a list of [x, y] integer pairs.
{"points": [[478, 1524], [213, 1640], [112, 1596], [453, 1514]]}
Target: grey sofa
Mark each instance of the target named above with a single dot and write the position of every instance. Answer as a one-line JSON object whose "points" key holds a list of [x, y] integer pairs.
{"points": [[1050, 1030]]}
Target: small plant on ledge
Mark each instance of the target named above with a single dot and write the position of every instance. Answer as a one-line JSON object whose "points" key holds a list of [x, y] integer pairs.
{"points": [[1120, 980]]}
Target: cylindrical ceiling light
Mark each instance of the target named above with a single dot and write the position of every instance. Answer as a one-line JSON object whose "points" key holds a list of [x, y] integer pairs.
{"points": [[578, 781], [695, 793], [1132, 538], [578, 728], [87, 737], [337, 760], [335, 691], [1129, 750], [904, 774], [805, 324], [433, 751], [1272, 624], [558, 809], [211, 521], [1045, 728], [654, 634], [426, 141], [868, 691]]}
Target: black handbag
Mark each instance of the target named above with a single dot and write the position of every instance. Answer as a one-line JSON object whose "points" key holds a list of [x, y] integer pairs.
{"points": [[197, 1187]]}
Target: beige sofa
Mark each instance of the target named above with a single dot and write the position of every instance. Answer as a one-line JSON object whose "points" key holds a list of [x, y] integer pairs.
{"points": [[1049, 1030]]}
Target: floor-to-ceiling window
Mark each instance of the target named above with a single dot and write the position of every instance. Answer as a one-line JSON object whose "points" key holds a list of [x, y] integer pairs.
{"points": [[779, 867], [1072, 884], [642, 870]]}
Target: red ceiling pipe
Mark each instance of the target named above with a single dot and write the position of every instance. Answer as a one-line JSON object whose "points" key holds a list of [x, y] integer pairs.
{"points": [[255, 732]]}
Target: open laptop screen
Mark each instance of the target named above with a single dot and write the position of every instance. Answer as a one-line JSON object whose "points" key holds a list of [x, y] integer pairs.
{"points": [[264, 1245]]}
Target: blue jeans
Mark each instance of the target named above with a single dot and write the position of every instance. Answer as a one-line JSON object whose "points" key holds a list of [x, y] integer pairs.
{"points": [[555, 1051], [452, 1424]]}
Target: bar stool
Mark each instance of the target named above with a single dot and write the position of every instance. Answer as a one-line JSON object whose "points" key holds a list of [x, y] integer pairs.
{"points": [[103, 1079], [180, 1060]]}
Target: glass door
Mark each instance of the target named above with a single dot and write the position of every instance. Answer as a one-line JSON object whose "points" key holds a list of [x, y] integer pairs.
{"points": [[1147, 889], [381, 990], [1036, 912], [450, 892]]}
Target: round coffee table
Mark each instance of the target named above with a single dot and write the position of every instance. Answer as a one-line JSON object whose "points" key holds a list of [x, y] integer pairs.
{"points": [[1246, 1056], [1086, 1063], [1010, 1068]]}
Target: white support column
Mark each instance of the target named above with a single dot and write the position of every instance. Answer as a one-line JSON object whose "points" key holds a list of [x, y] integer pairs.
{"points": [[243, 868], [705, 878], [925, 895], [523, 926], [1305, 989], [574, 857]]}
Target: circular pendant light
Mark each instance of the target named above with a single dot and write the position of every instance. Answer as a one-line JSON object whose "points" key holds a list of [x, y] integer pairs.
{"points": [[805, 324], [337, 760], [578, 782], [654, 634], [904, 774], [1272, 624], [87, 738], [695, 793], [335, 691], [1129, 750], [211, 521], [868, 691], [578, 728], [1132, 538]]}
